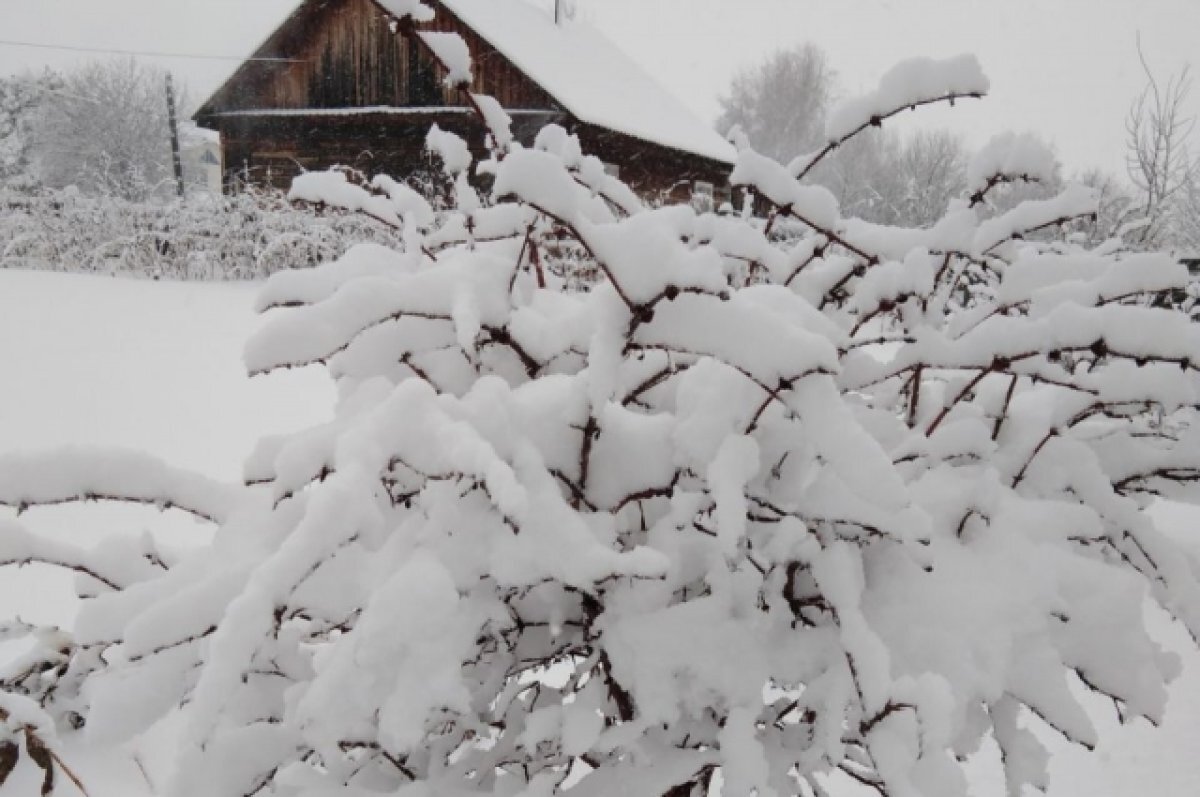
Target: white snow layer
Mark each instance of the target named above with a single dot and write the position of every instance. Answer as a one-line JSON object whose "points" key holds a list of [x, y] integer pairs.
{"points": [[907, 83], [415, 9], [452, 52], [1012, 156], [592, 78]]}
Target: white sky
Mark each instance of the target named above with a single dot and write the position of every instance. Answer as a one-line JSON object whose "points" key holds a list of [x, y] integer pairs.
{"points": [[1066, 69]]}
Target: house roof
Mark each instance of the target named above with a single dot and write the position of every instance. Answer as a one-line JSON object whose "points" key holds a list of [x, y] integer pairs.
{"points": [[589, 76]]}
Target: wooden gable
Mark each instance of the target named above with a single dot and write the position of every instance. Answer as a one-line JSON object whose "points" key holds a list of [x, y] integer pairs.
{"points": [[351, 54]]}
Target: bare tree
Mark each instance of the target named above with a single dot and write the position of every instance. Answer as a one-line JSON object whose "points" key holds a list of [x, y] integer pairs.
{"points": [[781, 103], [1157, 159], [1117, 206], [933, 164], [781, 106], [106, 131], [887, 178], [1187, 214]]}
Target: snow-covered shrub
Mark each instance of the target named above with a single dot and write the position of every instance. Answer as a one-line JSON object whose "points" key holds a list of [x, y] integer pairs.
{"points": [[752, 514], [243, 236]]}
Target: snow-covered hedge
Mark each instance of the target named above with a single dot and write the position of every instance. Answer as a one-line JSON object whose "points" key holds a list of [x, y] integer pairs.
{"points": [[245, 236], [758, 514]]}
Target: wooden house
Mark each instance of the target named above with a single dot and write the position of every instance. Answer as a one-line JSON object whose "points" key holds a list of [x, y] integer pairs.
{"points": [[343, 82]]}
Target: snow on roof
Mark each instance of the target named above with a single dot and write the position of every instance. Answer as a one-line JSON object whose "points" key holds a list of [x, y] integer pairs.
{"points": [[408, 8], [590, 76], [369, 110], [194, 134]]}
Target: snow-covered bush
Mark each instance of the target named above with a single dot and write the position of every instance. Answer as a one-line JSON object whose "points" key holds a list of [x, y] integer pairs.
{"points": [[752, 514], [248, 235]]}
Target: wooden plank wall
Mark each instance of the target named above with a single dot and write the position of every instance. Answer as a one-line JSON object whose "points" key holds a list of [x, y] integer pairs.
{"points": [[346, 54], [272, 150], [651, 168]]}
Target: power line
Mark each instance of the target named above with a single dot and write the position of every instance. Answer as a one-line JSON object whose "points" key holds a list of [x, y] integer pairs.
{"points": [[41, 46]]}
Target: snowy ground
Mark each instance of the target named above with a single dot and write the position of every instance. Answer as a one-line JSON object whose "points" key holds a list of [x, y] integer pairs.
{"points": [[157, 366], [149, 365]]}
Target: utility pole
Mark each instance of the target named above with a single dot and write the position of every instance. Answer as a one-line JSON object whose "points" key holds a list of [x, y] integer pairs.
{"points": [[563, 10], [176, 157]]}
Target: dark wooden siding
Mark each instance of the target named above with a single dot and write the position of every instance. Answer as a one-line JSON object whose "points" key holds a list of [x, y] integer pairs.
{"points": [[343, 53], [272, 149], [651, 168], [350, 54]]}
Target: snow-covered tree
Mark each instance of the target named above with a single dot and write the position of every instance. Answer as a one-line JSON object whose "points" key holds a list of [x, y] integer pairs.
{"points": [[746, 515], [781, 102], [20, 98], [780, 105], [906, 181], [106, 131], [1115, 205]]}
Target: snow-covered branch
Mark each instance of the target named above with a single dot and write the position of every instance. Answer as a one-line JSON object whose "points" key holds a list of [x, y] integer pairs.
{"points": [[908, 85], [81, 474]]}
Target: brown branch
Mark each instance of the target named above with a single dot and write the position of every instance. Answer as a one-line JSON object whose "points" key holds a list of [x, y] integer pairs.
{"points": [[375, 747], [653, 381], [857, 271], [1037, 450], [370, 325], [575, 233], [162, 504], [864, 779], [577, 494], [590, 431], [998, 365], [1000, 178], [1091, 748], [665, 491], [1003, 414], [914, 400], [212, 629], [501, 336], [772, 392], [816, 253], [891, 708], [1176, 474], [1019, 235], [66, 770], [78, 568], [877, 121]]}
